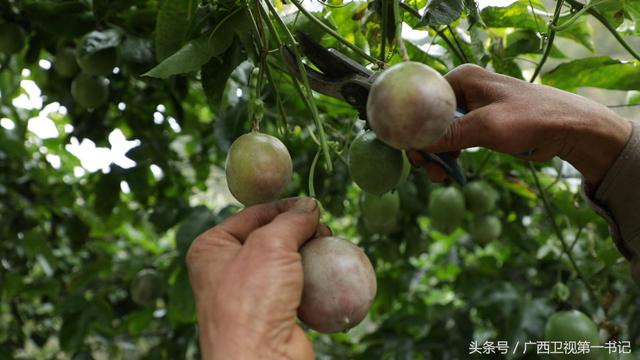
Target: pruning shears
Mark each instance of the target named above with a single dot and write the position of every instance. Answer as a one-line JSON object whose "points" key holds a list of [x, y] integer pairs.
{"points": [[343, 78]]}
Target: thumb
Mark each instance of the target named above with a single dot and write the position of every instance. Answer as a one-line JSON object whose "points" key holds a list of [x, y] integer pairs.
{"points": [[467, 131], [290, 229]]}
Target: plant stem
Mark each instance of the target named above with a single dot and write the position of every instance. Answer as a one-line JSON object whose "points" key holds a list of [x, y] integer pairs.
{"points": [[338, 37], [307, 96], [593, 12], [439, 32], [556, 229], [455, 39], [551, 37]]}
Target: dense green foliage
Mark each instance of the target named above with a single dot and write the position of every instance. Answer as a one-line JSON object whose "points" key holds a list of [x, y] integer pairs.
{"points": [[73, 237]]}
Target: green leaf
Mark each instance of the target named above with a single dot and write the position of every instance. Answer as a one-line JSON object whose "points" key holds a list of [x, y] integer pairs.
{"points": [[600, 72], [442, 12], [519, 15], [633, 97], [613, 10], [107, 193], [191, 57], [172, 26], [197, 222], [216, 72], [181, 307]]}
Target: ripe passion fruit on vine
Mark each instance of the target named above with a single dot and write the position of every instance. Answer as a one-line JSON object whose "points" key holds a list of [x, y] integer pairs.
{"points": [[146, 287], [374, 166], [339, 284], [12, 38], [410, 106], [258, 168], [90, 91], [446, 206]]}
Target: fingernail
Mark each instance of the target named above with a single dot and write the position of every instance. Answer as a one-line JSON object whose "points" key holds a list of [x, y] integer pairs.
{"points": [[306, 204]]}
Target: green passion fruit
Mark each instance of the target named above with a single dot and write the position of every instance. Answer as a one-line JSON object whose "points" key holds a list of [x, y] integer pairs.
{"points": [[380, 212], [12, 38], [410, 106], [486, 228], [65, 63], [96, 53], [90, 91], [146, 287], [573, 325], [339, 284], [374, 166], [258, 168], [447, 209], [480, 197]]}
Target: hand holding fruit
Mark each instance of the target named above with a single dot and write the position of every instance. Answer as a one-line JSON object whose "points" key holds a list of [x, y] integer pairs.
{"points": [[246, 274], [532, 121]]}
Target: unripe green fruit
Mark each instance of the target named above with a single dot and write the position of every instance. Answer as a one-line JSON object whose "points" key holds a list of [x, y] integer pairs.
{"points": [[446, 206], [480, 198], [375, 167], [98, 63], [575, 326], [65, 63], [410, 106], [146, 287], [380, 212], [12, 38], [258, 168], [486, 228], [339, 284], [90, 91]]}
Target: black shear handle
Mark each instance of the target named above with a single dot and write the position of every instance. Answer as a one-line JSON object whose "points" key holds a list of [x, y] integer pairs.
{"points": [[450, 165]]}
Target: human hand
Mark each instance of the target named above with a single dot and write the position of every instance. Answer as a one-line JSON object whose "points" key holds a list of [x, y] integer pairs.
{"points": [[246, 274], [533, 122]]}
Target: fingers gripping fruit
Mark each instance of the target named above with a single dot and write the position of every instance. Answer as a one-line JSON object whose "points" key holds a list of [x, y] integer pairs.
{"points": [[339, 284], [410, 106], [446, 206], [12, 38], [374, 166], [90, 91], [380, 212], [258, 168], [146, 287]]}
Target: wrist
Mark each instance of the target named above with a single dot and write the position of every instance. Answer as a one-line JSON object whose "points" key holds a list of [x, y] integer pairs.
{"points": [[595, 145]]}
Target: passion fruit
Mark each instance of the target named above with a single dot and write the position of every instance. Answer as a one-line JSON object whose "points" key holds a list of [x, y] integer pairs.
{"points": [[258, 168], [146, 287], [380, 212], [12, 38], [374, 166], [573, 325], [65, 63], [410, 106], [90, 91], [480, 198], [486, 228], [339, 284], [446, 206], [94, 57]]}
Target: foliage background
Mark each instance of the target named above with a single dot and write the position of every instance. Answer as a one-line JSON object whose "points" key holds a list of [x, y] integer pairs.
{"points": [[75, 231]]}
